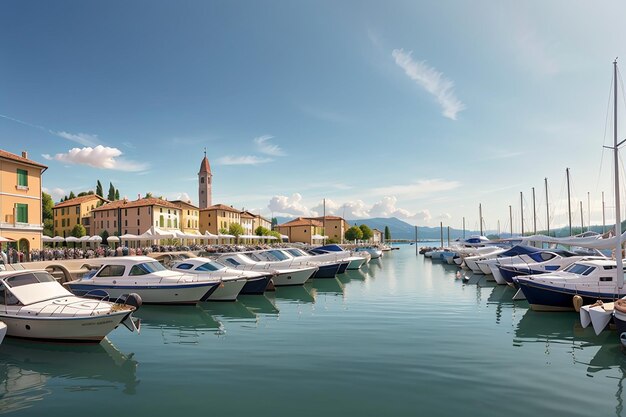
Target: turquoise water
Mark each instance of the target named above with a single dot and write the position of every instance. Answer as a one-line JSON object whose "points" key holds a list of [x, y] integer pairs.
{"points": [[402, 337]]}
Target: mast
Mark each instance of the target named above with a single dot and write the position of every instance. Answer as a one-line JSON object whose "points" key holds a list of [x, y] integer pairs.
{"points": [[521, 204], [547, 207], [448, 236], [534, 214], [324, 222], [618, 221], [441, 233], [582, 225], [588, 211], [603, 216], [511, 219], [480, 217], [569, 202]]}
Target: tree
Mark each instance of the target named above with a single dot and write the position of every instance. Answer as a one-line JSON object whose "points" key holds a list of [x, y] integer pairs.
{"points": [[72, 195], [48, 227], [236, 230], [111, 195], [117, 194], [367, 232], [387, 233], [353, 233], [104, 235], [261, 231], [81, 194], [99, 189], [46, 206], [223, 231], [276, 235], [149, 195], [79, 231], [274, 222]]}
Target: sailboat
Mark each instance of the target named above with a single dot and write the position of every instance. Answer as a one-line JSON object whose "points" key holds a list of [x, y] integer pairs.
{"points": [[583, 282]]}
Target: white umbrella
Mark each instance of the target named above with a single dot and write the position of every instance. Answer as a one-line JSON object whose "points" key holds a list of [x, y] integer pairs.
{"points": [[270, 237], [250, 237], [44, 239], [225, 236], [319, 237], [72, 239], [209, 235], [95, 238], [57, 239], [85, 238], [128, 236]]}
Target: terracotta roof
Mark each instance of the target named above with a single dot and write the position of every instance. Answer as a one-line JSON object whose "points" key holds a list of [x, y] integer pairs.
{"points": [[137, 203], [221, 207], [247, 215], [204, 165], [79, 200], [13, 157], [321, 218], [258, 216], [181, 203], [301, 221]]}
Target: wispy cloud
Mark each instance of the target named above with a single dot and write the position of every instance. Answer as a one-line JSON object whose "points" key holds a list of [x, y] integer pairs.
{"points": [[264, 146], [432, 81], [243, 160], [98, 157], [417, 189], [84, 139]]}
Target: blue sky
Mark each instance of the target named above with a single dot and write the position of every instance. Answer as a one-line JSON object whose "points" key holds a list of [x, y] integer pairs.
{"points": [[421, 110]]}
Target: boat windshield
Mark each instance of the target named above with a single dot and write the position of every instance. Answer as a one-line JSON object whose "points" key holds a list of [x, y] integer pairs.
{"points": [[252, 256], [210, 266], [578, 269], [29, 278], [278, 255], [146, 268], [295, 252]]}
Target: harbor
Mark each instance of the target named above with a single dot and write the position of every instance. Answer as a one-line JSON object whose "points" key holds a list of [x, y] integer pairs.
{"points": [[375, 340]]}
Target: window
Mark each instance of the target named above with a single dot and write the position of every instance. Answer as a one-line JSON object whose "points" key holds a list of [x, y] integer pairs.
{"points": [[126, 222], [22, 178], [146, 268], [29, 278], [137, 211], [125, 212], [188, 223], [161, 221], [169, 222], [111, 271], [21, 213], [184, 266], [77, 209], [114, 223], [137, 222], [149, 210], [56, 223], [201, 180], [175, 223], [209, 266]]}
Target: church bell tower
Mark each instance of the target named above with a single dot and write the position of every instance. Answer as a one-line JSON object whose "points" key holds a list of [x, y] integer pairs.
{"points": [[204, 183]]}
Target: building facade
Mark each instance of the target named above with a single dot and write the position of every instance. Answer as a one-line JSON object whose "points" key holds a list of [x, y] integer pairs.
{"points": [[69, 213], [218, 217], [378, 236], [334, 227], [205, 180], [300, 229], [20, 200], [135, 217], [247, 222], [189, 216]]}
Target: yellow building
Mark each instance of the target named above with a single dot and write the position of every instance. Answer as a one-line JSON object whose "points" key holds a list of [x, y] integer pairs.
{"points": [[247, 222], [189, 216], [20, 200], [69, 213], [334, 227], [261, 221], [135, 217], [377, 236], [300, 229], [218, 216]]}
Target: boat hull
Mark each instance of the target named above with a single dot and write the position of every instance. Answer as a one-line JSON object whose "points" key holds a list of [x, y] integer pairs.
{"points": [[228, 290], [620, 322], [66, 329], [152, 294], [356, 264], [256, 286], [548, 298], [342, 267], [295, 277], [3, 331], [327, 271]]}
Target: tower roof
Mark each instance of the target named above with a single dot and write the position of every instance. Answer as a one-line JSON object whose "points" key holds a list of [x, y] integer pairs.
{"points": [[204, 165]]}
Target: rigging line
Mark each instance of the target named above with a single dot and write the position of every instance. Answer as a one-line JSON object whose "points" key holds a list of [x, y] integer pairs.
{"points": [[556, 206], [606, 125]]}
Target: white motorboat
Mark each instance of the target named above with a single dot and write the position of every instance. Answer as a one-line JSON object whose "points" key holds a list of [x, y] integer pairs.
{"points": [[283, 276], [374, 252], [35, 306], [231, 283], [355, 261], [143, 275], [280, 259], [3, 331]]}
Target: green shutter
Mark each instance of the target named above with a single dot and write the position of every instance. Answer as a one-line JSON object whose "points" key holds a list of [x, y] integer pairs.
{"points": [[22, 178], [21, 212]]}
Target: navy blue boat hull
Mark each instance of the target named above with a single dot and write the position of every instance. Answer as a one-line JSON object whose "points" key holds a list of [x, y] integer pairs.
{"points": [[256, 286], [343, 267], [327, 271], [546, 298]]}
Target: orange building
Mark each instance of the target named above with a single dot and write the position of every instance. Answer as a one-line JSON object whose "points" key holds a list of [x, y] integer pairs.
{"points": [[20, 200], [69, 213], [300, 229], [218, 216]]}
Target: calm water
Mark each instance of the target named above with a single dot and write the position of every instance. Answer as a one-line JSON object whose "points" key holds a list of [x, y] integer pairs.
{"points": [[402, 337]]}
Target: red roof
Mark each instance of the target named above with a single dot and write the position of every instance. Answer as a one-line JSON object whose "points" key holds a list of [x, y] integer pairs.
{"points": [[79, 200], [13, 157], [221, 207], [204, 165], [301, 221], [137, 203]]}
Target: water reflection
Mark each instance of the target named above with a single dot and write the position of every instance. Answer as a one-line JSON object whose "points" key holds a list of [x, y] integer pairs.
{"points": [[353, 274], [332, 286], [26, 367], [259, 305], [296, 294], [231, 311], [610, 361], [178, 324]]}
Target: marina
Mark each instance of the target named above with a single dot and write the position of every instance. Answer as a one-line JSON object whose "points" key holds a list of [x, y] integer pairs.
{"points": [[381, 339]]}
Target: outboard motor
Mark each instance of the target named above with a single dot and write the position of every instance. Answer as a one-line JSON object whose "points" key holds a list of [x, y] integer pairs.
{"points": [[132, 299]]}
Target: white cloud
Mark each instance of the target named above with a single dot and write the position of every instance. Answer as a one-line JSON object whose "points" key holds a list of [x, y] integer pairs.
{"points": [[349, 210], [98, 157], [432, 81], [387, 208], [183, 197], [418, 189], [242, 160], [84, 139], [289, 205], [264, 146], [444, 216], [56, 193]]}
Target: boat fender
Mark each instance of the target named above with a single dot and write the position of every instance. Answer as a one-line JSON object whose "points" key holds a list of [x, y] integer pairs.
{"points": [[577, 300], [620, 305], [622, 339], [133, 299]]}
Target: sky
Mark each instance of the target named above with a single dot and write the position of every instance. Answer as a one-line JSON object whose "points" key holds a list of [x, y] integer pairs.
{"points": [[415, 109]]}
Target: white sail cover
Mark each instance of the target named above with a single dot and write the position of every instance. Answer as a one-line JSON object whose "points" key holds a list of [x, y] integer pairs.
{"points": [[593, 242]]}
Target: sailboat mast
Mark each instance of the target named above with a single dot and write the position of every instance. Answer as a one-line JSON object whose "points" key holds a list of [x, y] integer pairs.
{"points": [[521, 204], [547, 207], [480, 217], [582, 225], [588, 211], [511, 219], [441, 232], [534, 214], [618, 221], [569, 202], [603, 216]]}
